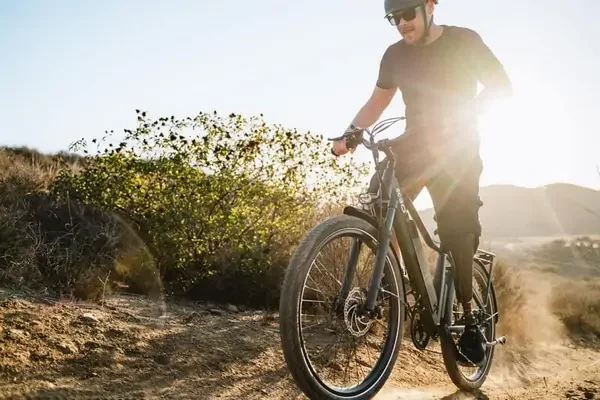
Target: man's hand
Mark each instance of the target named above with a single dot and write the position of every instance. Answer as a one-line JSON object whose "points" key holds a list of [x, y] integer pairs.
{"points": [[339, 147], [348, 141]]}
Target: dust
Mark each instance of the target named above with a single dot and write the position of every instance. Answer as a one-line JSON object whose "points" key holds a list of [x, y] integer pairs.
{"points": [[537, 341]]}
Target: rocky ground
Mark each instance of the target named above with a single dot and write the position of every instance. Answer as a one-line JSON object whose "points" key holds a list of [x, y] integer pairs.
{"points": [[135, 348]]}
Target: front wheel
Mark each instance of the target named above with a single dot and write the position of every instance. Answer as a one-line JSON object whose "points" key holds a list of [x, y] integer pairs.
{"points": [[469, 378], [332, 350]]}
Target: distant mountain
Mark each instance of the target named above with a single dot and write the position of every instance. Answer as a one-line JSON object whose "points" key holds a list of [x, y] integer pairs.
{"points": [[556, 209]]}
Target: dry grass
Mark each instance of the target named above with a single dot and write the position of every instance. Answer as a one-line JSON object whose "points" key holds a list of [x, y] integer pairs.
{"points": [[512, 295], [577, 304], [25, 170], [63, 248]]}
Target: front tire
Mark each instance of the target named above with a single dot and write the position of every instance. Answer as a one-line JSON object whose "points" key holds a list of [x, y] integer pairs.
{"points": [[293, 340]]}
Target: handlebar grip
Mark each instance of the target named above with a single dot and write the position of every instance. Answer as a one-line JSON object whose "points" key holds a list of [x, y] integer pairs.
{"points": [[353, 139]]}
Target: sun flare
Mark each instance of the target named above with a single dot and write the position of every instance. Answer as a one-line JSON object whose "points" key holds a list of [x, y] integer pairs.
{"points": [[522, 135]]}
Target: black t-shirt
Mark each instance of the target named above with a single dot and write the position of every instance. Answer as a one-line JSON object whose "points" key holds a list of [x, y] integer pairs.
{"points": [[438, 81]]}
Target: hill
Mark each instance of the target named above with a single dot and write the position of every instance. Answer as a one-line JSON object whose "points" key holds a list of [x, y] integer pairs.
{"points": [[556, 209]]}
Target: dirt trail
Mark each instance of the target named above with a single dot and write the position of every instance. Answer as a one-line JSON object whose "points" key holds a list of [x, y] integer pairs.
{"points": [[130, 349]]}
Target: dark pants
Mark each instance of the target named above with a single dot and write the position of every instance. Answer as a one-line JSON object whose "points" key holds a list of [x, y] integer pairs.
{"points": [[451, 173]]}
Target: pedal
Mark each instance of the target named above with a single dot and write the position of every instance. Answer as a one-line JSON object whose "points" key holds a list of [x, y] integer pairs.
{"points": [[501, 340]]}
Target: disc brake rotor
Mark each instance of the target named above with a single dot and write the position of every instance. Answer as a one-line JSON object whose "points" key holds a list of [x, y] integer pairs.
{"points": [[357, 325]]}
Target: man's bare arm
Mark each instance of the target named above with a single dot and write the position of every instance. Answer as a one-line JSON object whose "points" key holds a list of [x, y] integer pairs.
{"points": [[490, 72], [370, 112]]}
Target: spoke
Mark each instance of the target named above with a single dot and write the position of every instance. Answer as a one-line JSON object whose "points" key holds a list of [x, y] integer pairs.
{"points": [[337, 341], [357, 363], [367, 346], [315, 283], [491, 316], [380, 323], [390, 293], [316, 264], [478, 300], [316, 290], [362, 273], [346, 372], [313, 325]]}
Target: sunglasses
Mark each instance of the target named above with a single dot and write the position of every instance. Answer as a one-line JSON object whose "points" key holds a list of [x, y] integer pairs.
{"points": [[407, 15]]}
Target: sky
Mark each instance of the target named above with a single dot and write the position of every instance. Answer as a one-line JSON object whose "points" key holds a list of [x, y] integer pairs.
{"points": [[75, 68]]}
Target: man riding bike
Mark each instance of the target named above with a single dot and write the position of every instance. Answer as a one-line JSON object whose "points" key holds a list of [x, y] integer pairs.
{"points": [[437, 68]]}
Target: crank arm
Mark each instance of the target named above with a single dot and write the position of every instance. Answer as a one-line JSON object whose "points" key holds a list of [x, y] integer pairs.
{"points": [[461, 329], [500, 340]]}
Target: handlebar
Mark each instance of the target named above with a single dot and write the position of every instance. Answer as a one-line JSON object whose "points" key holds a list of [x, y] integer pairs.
{"points": [[369, 142]]}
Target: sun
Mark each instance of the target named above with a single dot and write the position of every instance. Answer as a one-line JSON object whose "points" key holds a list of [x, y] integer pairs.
{"points": [[523, 135]]}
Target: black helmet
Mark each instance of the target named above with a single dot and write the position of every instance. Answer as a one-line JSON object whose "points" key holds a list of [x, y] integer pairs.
{"points": [[391, 6]]}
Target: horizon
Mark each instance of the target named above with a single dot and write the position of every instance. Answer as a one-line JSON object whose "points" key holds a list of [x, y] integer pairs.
{"points": [[79, 68]]}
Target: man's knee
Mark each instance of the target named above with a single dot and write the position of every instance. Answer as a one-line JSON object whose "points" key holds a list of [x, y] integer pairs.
{"points": [[455, 228]]}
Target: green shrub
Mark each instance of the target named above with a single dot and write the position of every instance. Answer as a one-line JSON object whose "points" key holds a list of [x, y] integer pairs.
{"points": [[220, 202]]}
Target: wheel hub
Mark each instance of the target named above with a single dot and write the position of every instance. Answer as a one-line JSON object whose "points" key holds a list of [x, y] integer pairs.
{"points": [[358, 324]]}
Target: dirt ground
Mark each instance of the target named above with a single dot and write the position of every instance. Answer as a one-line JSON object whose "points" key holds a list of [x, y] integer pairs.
{"points": [[135, 348]]}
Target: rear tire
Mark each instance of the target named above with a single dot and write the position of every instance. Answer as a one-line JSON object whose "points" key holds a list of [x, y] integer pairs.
{"points": [[290, 310], [449, 352]]}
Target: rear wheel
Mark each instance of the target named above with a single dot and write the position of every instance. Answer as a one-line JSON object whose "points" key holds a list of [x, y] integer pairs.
{"points": [[331, 349], [469, 378]]}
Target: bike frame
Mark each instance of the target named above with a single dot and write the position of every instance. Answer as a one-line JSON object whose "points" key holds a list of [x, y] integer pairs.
{"points": [[404, 221], [399, 209]]}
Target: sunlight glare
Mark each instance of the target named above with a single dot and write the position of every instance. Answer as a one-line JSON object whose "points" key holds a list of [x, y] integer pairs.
{"points": [[523, 135]]}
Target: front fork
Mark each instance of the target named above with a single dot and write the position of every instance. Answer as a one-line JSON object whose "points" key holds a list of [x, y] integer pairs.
{"points": [[385, 238], [349, 273], [385, 235]]}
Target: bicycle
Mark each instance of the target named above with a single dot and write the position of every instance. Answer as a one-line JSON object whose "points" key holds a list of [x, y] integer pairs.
{"points": [[356, 309]]}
